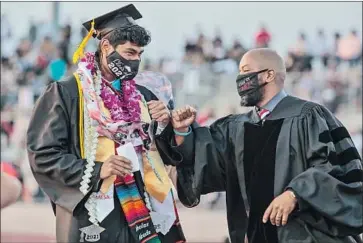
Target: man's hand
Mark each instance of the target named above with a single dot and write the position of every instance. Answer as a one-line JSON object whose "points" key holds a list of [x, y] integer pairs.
{"points": [[183, 118], [159, 112], [280, 208], [115, 165]]}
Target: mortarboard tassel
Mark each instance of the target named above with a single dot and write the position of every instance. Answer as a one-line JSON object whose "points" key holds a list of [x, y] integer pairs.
{"points": [[79, 53]]}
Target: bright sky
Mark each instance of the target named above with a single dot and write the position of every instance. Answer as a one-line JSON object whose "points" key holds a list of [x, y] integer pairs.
{"points": [[171, 23]]}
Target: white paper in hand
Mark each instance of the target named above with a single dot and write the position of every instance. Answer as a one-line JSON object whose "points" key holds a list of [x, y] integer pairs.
{"points": [[128, 151]]}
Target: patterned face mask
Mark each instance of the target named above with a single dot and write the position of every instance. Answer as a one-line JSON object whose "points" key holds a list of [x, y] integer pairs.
{"points": [[122, 68], [247, 83], [249, 89]]}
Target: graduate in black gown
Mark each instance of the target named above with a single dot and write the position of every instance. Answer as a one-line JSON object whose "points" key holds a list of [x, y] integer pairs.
{"points": [[289, 167], [94, 142]]}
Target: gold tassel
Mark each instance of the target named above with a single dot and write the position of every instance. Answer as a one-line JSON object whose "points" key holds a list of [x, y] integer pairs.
{"points": [[79, 53]]}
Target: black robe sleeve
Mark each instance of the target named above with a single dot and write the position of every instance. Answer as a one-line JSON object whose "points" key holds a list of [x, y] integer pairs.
{"points": [[55, 168], [203, 172], [330, 190]]}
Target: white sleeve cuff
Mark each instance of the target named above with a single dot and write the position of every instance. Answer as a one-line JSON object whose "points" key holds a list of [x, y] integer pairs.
{"points": [[160, 128]]}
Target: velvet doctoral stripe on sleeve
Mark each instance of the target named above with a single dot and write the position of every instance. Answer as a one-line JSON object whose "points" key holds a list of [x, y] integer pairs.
{"points": [[332, 185]]}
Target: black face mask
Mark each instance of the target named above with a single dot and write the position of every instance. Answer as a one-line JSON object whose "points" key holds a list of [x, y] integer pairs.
{"points": [[249, 89], [122, 68]]}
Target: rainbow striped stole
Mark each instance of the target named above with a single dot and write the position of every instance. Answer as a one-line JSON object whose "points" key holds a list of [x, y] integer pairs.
{"points": [[135, 210]]}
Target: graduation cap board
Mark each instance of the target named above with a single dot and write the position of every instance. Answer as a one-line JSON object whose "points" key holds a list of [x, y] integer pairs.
{"points": [[121, 18], [99, 27]]}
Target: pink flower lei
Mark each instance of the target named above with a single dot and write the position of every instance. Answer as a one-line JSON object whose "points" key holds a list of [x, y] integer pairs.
{"points": [[123, 107]]}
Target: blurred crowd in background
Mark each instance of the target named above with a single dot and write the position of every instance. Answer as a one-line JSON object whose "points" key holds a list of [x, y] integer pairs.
{"points": [[326, 68]]}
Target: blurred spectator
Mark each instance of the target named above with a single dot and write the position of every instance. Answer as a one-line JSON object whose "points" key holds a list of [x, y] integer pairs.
{"points": [[333, 93], [57, 67], [237, 51], [337, 38], [350, 48], [193, 53], [5, 27], [300, 55], [44, 28], [7, 42], [24, 57], [191, 46], [47, 51], [65, 43], [36, 83], [33, 31], [8, 82], [262, 37], [221, 63], [322, 48], [219, 52], [206, 47], [302, 47], [67, 32]]}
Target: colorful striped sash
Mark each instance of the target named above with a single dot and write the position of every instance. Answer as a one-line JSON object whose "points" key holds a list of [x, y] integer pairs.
{"points": [[135, 210]]}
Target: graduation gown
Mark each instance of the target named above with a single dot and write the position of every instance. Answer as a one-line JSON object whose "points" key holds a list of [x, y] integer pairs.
{"points": [[301, 146], [53, 145]]}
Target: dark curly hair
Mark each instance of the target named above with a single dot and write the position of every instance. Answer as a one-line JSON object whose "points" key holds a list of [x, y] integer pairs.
{"points": [[135, 34]]}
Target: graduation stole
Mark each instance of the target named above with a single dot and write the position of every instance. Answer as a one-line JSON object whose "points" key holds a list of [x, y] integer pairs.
{"points": [[134, 208], [156, 180]]}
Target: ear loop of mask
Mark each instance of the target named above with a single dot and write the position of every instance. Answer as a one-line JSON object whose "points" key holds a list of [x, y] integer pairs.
{"points": [[265, 83]]}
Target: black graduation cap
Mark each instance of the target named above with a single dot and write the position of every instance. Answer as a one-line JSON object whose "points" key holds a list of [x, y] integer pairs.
{"points": [[121, 18]]}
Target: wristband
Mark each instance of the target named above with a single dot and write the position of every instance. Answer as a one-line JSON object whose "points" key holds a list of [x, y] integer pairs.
{"points": [[183, 134]]}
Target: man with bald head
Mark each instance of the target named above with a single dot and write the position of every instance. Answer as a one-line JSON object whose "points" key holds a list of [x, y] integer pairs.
{"points": [[289, 168], [269, 68]]}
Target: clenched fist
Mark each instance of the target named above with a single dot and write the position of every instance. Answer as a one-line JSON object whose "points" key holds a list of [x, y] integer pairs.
{"points": [[115, 165], [158, 111], [183, 118]]}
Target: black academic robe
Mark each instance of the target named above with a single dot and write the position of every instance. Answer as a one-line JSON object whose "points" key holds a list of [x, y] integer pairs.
{"points": [[303, 148], [53, 145]]}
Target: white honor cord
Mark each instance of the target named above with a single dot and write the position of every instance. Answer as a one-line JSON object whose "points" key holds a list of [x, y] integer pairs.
{"points": [[90, 149], [147, 201], [90, 152]]}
